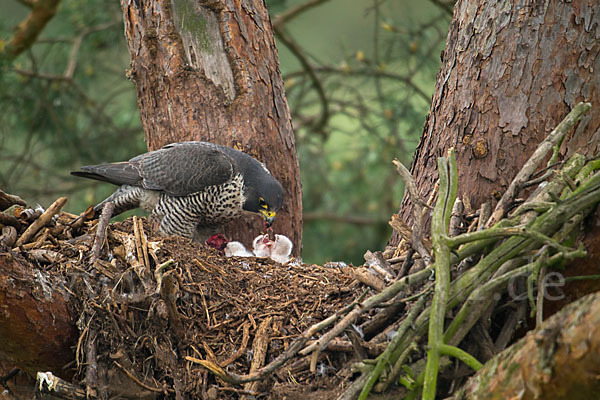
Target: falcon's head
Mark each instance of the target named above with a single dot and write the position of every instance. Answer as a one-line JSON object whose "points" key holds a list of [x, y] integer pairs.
{"points": [[264, 197]]}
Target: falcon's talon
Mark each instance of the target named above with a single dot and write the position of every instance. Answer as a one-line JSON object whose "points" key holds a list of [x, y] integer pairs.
{"points": [[191, 188]]}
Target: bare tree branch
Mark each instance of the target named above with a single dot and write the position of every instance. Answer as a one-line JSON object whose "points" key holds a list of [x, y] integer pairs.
{"points": [[294, 12], [364, 72], [27, 31], [295, 49], [447, 6], [348, 219]]}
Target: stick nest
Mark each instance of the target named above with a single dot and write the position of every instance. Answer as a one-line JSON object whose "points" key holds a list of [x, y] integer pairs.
{"points": [[148, 302]]}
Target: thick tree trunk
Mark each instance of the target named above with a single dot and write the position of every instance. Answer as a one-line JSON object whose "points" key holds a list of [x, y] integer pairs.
{"points": [[210, 71], [511, 71]]}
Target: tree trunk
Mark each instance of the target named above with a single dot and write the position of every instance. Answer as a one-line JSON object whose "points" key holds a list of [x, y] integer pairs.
{"points": [[208, 70], [511, 71], [37, 331]]}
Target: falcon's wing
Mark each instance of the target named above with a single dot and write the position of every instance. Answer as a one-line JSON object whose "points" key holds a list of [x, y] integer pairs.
{"points": [[183, 168]]}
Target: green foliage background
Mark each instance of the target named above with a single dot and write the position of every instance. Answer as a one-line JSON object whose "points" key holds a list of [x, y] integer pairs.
{"points": [[375, 61]]}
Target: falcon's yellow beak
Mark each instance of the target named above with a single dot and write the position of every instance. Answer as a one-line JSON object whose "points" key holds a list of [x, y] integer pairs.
{"points": [[268, 215]]}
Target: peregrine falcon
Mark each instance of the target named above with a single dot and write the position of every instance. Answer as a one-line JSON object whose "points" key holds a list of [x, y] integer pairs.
{"points": [[190, 188]]}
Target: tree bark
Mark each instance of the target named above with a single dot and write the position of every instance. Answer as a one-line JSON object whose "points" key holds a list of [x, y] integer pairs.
{"points": [[37, 331], [511, 71], [558, 361], [209, 70]]}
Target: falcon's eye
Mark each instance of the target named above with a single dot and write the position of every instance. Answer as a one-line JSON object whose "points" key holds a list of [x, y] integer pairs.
{"points": [[262, 203]]}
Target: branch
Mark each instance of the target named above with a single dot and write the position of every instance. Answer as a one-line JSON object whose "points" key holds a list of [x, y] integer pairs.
{"points": [[295, 49], [347, 219], [100, 237], [294, 12], [448, 7], [385, 295], [441, 250], [27, 3], [27, 31], [550, 362], [41, 221], [418, 205], [72, 64], [365, 72]]}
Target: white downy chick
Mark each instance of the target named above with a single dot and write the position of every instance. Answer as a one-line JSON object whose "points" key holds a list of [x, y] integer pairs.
{"points": [[278, 250], [261, 246], [281, 249], [237, 249]]}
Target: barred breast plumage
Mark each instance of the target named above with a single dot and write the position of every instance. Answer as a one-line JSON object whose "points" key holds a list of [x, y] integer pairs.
{"points": [[190, 188]]}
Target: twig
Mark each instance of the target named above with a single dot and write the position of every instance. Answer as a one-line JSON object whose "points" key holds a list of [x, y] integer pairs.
{"points": [[504, 232], [296, 51], [44, 256], [9, 375], [346, 219], [243, 345], [86, 215], [391, 353], [397, 368], [387, 294], [107, 211], [539, 304], [141, 244], [354, 389], [439, 228], [447, 7], [363, 275], [460, 354], [379, 264], [6, 219], [458, 211], [291, 13], [136, 380], [484, 214], [259, 350], [48, 383], [480, 298], [510, 326], [8, 200], [545, 176], [72, 64], [91, 369], [539, 154], [370, 72], [41, 221], [417, 207], [408, 261]]}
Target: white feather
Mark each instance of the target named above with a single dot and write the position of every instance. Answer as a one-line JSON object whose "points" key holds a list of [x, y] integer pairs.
{"points": [[236, 249]]}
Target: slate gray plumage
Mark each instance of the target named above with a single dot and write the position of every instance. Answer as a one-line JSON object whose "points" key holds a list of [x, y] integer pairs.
{"points": [[190, 188]]}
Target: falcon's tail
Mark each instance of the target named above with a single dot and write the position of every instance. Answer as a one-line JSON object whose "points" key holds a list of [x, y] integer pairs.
{"points": [[90, 175], [121, 173]]}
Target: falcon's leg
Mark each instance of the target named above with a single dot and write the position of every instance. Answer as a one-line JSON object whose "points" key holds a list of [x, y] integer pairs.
{"points": [[125, 198]]}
